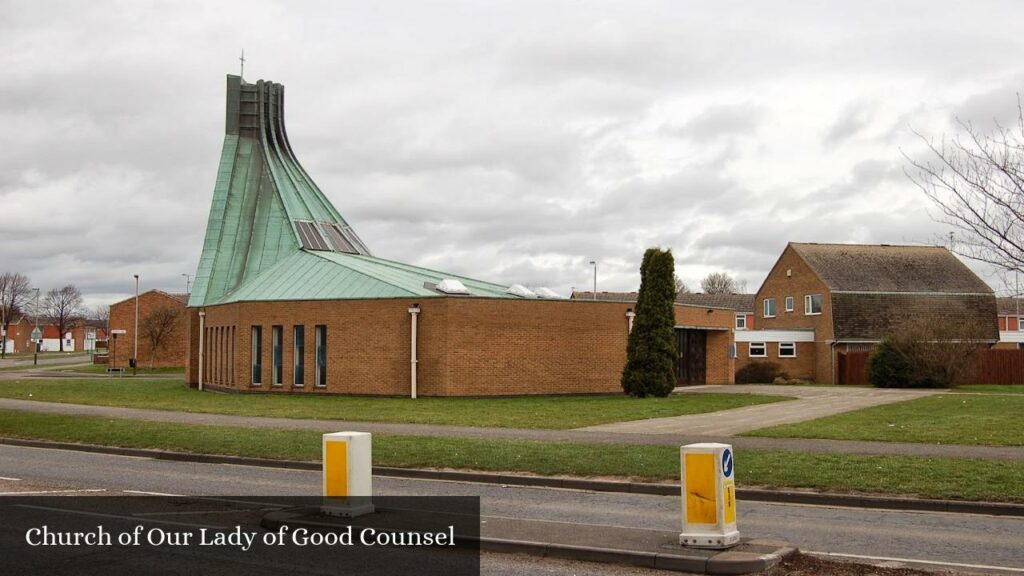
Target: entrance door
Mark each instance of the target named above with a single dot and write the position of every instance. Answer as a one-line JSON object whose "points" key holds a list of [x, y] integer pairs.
{"points": [[691, 357]]}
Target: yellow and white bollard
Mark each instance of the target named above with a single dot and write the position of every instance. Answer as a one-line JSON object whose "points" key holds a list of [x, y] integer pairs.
{"points": [[709, 496], [348, 480]]}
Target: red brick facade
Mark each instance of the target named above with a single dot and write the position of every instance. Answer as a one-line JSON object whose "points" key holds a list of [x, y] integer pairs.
{"points": [[171, 354], [465, 346]]}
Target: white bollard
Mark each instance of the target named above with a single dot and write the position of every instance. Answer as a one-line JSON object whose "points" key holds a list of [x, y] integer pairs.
{"points": [[347, 477], [709, 496]]}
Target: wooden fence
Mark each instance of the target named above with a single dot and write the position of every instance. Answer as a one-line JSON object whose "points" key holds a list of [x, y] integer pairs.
{"points": [[994, 367]]}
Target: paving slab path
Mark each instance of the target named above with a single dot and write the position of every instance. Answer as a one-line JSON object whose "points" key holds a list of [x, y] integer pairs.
{"points": [[579, 436], [811, 402]]}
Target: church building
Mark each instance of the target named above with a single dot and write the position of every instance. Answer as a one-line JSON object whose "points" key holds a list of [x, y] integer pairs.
{"points": [[289, 299]]}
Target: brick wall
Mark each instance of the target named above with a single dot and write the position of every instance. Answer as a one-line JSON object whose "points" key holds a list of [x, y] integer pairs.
{"points": [[791, 276], [802, 367], [465, 346], [171, 354]]}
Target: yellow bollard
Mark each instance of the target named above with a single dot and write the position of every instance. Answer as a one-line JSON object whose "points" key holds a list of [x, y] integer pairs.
{"points": [[347, 474], [709, 496]]}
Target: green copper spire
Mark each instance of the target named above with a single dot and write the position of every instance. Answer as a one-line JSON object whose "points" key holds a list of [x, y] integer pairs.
{"points": [[265, 206]]}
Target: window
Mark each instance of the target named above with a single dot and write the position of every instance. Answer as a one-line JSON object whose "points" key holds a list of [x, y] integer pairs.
{"points": [[277, 334], [757, 350], [741, 321], [257, 352], [1019, 327], [769, 307], [789, 304], [812, 304], [299, 356], [787, 350], [321, 355]]}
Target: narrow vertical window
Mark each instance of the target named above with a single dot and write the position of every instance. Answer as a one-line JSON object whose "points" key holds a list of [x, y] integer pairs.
{"points": [[299, 356], [277, 334], [257, 353], [321, 355]]}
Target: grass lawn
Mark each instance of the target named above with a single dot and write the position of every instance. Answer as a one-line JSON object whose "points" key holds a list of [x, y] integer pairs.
{"points": [[102, 369], [550, 412], [928, 477], [988, 420], [992, 388]]}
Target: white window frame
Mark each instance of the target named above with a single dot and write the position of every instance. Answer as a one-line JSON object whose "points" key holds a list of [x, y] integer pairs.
{"points": [[790, 303], [762, 345], [787, 344], [741, 321], [1019, 327], [764, 307], [808, 299]]}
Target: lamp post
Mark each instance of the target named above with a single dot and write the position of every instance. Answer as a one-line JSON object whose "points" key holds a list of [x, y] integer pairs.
{"points": [[35, 345], [188, 283], [594, 264], [135, 354]]}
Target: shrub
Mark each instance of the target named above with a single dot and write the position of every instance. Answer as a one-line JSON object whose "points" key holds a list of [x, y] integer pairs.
{"points": [[651, 349], [759, 373], [888, 367]]}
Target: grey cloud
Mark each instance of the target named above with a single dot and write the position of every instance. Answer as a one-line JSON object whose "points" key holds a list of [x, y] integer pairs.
{"points": [[851, 121], [719, 122]]}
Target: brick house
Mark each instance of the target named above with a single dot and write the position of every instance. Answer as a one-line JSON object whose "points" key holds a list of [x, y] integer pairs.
{"points": [[1011, 335], [820, 301], [82, 336], [170, 354]]}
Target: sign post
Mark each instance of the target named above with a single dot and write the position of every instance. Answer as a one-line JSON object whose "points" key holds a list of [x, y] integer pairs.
{"points": [[37, 337], [347, 476], [709, 496]]}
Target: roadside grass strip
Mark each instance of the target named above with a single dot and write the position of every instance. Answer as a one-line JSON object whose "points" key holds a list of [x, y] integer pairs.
{"points": [[969, 419], [540, 412], [944, 478], [991, 389]]}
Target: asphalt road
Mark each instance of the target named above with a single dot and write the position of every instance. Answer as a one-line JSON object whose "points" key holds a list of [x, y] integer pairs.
{"points": [[950, 540]]}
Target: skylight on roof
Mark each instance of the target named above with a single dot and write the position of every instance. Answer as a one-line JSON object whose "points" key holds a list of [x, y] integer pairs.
{"points": [[333, 233], [310, 236], [452, 286], [543, 292], [521, 291]]}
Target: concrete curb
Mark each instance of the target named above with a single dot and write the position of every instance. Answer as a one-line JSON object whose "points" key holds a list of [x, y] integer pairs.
{"points": [[749, 556], [749, 494]]}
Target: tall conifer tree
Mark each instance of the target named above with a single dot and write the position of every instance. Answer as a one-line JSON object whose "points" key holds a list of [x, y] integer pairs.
{"points": [[650, 354]]}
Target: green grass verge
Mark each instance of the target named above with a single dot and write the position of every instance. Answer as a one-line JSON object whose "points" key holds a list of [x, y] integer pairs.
{"points": [[927, 477], [992, 388], [986, 420], [102, 369], [547, 412]]}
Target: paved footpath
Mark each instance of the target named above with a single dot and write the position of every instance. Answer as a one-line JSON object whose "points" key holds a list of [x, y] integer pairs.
{"points": [[812, 402], [578, 436]]}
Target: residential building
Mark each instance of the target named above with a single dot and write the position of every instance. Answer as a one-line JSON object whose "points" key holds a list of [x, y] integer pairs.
{"points": [[820, 301], [156, 307]]}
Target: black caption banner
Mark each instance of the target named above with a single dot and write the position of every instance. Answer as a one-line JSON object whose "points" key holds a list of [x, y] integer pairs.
{"points": [[113, 535]]}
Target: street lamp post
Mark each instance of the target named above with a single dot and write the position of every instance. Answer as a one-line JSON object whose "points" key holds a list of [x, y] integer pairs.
{"points": [[135, 354], [188, 283], [594, 264], [35, 345]]}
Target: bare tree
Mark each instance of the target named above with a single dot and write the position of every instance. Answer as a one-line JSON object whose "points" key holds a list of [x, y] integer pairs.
{"points": [[64, 307], [976, 179], [101, 316], [719, 283], [158, 327], [14, 291], [681, 287]]}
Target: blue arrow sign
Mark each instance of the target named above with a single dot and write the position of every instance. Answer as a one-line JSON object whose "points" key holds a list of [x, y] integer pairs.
{"points": [[727, 463]]}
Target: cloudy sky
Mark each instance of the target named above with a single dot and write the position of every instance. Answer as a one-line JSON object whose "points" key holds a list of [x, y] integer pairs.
{"points": [[509, 141]]}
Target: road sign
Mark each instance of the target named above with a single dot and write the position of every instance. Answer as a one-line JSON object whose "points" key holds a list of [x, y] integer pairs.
{"points": [[37, 334], [118, 331]]}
